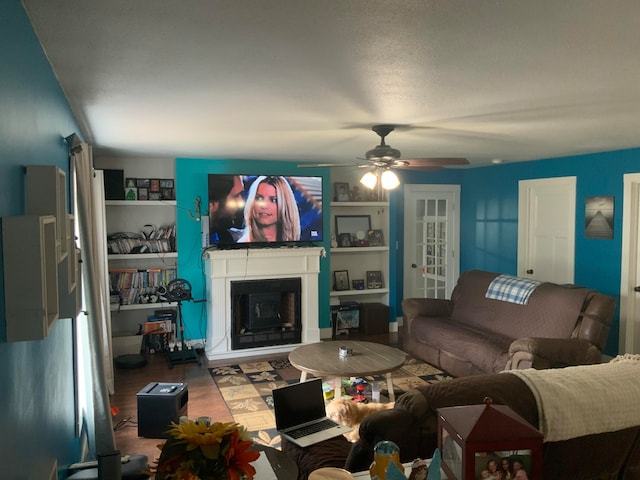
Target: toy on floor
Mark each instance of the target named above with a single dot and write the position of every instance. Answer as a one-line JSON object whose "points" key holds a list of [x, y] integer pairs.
{"points": [[347, 412]]}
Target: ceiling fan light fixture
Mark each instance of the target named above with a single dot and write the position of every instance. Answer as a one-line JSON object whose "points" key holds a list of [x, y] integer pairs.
{"points": [[369, 180], [389, 180]]}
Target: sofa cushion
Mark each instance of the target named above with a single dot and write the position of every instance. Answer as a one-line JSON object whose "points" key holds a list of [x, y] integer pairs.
{"points": [[486, 349], [552, 310]]}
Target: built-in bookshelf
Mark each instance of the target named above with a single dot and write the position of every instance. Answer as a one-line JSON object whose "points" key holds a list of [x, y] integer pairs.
{"points": [[142, 260]]}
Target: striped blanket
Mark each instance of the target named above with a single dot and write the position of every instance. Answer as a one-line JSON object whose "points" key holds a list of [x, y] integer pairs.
{"points": [[511, 289]]}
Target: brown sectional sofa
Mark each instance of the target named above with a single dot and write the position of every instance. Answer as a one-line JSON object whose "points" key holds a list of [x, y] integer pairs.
{"points": [[470, 334], [412, 425]]}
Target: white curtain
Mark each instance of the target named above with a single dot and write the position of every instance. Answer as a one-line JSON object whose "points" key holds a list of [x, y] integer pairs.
{"points": [[91, 221]]}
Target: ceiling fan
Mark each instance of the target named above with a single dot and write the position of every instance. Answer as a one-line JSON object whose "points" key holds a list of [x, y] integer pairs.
{"points": [[383, 158]]}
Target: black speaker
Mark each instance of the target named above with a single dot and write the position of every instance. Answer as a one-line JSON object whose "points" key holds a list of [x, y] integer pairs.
{"points": [[113, 184], [159, 404]]}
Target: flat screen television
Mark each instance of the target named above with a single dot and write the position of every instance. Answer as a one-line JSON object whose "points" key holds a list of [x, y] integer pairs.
{"points": [[264, 210]]}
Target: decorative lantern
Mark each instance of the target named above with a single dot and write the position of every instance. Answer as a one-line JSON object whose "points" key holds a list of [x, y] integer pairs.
{"points": [[474, 438]]}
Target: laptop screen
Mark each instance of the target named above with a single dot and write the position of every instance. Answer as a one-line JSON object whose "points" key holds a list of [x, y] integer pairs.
{"points": [[298, 403]]}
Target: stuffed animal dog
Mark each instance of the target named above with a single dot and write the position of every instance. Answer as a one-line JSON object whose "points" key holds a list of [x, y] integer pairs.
{"points": [[347, 412]]}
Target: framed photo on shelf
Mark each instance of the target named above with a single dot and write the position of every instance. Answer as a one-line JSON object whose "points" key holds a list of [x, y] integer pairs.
{"points": [[341, 279], [374, 279], [143, 182], [143, 193], [375, 237], [357, 284], [166, 183], [341, 191], [155, 196], [353, 224], [154, 185], [344, 240], [167, 194]]}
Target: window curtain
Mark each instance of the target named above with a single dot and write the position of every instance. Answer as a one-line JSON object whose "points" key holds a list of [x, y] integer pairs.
{"points": [[92, 234]]}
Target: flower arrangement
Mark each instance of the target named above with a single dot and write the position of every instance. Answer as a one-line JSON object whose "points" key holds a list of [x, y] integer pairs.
{"points": [[202, 451]]}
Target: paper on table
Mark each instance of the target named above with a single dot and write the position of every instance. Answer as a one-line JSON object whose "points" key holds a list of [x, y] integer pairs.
{"points": [[264, 470]]}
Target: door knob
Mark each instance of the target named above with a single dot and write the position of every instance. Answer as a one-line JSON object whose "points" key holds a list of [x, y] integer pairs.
{"points": [[530, 271], [636, 289], [413, 265]]}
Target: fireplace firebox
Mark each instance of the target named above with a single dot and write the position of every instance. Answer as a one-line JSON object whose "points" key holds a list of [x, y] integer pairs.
{"points": [[265, 312]]}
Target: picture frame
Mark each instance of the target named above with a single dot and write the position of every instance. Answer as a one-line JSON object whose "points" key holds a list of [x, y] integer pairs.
{"points": [[131, 193], [357, 284], [155, 196], [167, 194], [131, 182], [341, 280], [353, 224], [374, 279], [166, 183], [154, 185], [344, 240], [341, 191], [143, 182], [599, 217], [375, 237], [143, 193]]}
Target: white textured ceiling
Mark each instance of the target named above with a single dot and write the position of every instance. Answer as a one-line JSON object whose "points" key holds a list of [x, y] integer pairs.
{"points": [[304, 80]]}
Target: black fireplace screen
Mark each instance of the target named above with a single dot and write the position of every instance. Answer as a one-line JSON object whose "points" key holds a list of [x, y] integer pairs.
{"points": [[265, 312]]}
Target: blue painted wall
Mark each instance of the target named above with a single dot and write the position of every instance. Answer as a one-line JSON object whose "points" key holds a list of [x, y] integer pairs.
{"points": [[489, 216], [191, 181], [37, 394]]}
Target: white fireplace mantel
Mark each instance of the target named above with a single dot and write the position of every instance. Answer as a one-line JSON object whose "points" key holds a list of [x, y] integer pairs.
{"points": [[226, 266]]}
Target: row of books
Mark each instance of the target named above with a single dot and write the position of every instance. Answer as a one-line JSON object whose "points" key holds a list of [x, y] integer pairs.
{"points": [[140, 286], [121, 278]]}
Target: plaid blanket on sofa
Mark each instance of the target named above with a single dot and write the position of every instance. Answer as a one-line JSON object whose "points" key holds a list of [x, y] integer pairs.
{"points": [[512, 289]]}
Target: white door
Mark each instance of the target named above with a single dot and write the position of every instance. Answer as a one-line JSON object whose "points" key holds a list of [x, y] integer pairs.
{"points": [[546, 229], [431, 240], [629, 338]]}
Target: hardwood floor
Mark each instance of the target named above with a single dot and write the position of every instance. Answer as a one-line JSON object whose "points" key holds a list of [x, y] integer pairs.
{"points": [[204, 396]]}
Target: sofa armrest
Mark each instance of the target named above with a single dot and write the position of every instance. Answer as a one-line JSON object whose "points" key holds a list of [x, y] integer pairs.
{"points": [[427, 307], [543, 353]]}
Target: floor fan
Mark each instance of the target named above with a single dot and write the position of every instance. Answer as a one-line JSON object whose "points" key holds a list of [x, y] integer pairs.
{"points": [[179, 290]]}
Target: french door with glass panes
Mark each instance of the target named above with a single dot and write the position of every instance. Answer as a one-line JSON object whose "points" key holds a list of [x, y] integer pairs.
{"points": [[431, 240]]}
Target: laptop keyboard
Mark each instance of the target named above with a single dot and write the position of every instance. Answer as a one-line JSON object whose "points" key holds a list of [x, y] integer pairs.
{"points": [[314, 428]]}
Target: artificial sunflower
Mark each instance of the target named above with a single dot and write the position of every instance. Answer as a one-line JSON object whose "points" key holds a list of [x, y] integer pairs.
{"points": [[198, 451]]}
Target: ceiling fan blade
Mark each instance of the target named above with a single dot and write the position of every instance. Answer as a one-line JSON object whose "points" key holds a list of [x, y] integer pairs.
{"points": [[431, 162], [318, 165], [422, 168]]}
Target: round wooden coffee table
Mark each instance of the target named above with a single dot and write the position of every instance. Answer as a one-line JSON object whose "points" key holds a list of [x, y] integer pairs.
{"points": [[323, 360]]}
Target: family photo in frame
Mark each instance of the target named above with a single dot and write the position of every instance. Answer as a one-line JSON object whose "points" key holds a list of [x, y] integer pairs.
{"points": [[374, 279], [341, 192], [341, 280]]}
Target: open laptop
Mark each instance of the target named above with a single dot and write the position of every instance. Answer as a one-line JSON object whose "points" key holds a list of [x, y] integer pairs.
{"points": [[300, 414]]}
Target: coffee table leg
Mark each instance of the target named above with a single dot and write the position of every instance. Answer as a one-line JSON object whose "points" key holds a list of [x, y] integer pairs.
{"points": [[392, 395], [303, 377]]}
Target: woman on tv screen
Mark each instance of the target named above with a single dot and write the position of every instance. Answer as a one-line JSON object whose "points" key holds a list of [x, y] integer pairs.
{"points": [[270, 212]]}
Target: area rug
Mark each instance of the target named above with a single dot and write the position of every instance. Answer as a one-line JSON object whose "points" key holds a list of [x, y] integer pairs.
{"points": [[246, 389]]}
